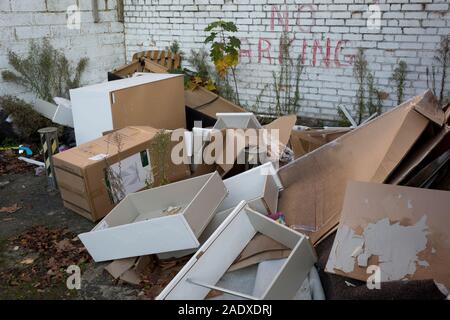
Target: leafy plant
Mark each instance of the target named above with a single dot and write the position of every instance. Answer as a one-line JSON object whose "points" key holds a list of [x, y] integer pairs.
{"points": [[202, 76], [431, 78], [224, 50], [287, 81], [399, 77], [343, 120], [25, 118], [360, 74], [369, 99], [45, 71], [113, 179], [160, 155], [255, 108], [199, 61], [375, 96], [175, 48], [443, 58]]}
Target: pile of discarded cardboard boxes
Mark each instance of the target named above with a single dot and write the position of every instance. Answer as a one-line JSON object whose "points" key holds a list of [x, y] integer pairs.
{"points": [[352, 180]]}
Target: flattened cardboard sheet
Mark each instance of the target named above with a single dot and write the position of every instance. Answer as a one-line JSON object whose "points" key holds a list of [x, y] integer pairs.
{"points": [[404, 231], [315, 183]]}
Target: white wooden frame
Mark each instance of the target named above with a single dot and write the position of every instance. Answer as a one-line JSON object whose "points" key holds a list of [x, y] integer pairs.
{"points": [[213, 259], [119, 236], [243, 120]]}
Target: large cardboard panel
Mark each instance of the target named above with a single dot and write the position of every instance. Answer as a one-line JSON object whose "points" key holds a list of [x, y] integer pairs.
{"points": [[159, 104], [315, 183], [414, 243]]}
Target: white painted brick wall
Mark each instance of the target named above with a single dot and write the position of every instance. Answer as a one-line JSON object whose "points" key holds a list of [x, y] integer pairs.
{"points": [[103, 43], [410, 30]]}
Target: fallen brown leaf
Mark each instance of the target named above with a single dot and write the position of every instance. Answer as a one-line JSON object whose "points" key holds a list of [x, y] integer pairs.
{"points": [[27, 261], [15, 207]]}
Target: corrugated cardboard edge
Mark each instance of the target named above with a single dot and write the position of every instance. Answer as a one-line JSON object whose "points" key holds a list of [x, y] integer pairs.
{"points": [[408, 107]]}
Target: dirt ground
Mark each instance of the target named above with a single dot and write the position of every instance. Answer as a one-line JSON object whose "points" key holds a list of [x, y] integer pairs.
{"points": [[38, 207]]}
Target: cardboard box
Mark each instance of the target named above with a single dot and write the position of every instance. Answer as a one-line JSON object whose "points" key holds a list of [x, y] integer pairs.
{"points": [[206, 268], [155, 100], [315, 183], [164, 219], [84, 173], [403, 231]]}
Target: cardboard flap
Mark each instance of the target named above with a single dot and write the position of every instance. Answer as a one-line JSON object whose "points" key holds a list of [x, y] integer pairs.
{"points": [[196, 98], [260, 243], [208, 103], [417, 156], [118, 267], [428, 106], [412, 127], [284, 125]]}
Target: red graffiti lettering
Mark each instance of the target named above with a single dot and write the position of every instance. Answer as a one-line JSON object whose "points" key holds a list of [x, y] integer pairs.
{"points": [[303, 8], [304, 51], [318, 47], [262, 50], [282, 17], [246, 52]]}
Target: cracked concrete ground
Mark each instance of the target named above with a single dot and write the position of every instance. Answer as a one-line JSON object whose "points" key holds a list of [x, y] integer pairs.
{"points": [[40, 207]]}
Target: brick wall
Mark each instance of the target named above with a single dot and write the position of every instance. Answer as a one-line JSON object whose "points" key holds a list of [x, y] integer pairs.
{"points": [[328, 32], [102, 42]]}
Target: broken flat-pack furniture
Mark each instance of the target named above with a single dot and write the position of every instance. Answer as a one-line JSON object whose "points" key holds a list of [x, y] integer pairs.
{"points": [[57, 113], [259, 187], [201, 104], [153, 99], [209, 264], [95, 176], [403, 231], [314, 185], [242, 120], [250, 142], [164, 219]]}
